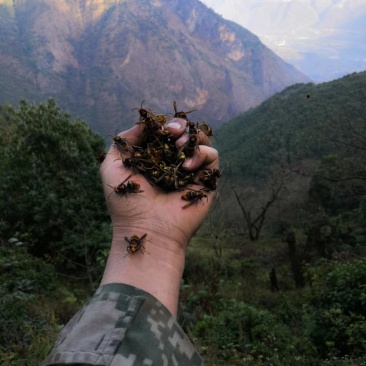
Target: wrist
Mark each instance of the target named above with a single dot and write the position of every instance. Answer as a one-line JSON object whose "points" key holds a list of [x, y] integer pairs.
{"points": [[156, 267], [158, 234]]}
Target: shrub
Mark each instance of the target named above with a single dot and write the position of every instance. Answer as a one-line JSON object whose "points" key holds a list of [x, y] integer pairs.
{"points": [[340, 313], [245, 331], [25, 282]]}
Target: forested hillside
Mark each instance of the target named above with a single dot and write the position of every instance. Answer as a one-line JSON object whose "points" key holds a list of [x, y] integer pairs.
{"points": [[299, 123], [299, 153]]}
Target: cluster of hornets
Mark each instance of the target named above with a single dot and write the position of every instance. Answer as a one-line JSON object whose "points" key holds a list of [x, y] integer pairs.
{"points": [[160, 161]]}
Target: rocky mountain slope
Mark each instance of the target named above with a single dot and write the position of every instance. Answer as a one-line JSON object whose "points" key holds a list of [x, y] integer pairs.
{"points": [[101, 58]]}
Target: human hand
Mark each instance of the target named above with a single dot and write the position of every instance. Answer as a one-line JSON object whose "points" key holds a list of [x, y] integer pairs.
{"points": [[157, 213]]}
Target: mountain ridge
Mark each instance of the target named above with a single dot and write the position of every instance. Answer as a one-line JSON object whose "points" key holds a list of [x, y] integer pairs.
{"points": [[99, 59]]}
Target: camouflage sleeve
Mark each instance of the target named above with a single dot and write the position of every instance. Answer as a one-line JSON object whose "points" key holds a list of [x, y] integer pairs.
{"points": [[123, 325]]}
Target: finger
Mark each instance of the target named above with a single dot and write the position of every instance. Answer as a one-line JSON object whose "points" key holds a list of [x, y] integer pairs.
{"points": [[204, 156], [176, 127], [203, 139], [133, 136]]}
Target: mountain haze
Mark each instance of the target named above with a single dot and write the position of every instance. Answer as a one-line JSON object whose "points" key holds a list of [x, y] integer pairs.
{"points": [[325, 39], [101, 58]]}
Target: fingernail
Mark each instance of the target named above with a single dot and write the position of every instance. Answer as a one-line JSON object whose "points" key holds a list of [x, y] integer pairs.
{"points": [[174, 125]]}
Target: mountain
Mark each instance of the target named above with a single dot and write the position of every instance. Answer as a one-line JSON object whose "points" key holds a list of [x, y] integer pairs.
{"points": [[100, 59], [325, 39], [299, 124]]}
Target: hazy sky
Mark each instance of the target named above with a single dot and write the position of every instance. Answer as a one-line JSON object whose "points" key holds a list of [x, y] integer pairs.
{"points": [[325, 39]]}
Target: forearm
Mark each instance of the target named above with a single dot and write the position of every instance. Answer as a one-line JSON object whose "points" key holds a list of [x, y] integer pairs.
{"points": [[156, 268]]}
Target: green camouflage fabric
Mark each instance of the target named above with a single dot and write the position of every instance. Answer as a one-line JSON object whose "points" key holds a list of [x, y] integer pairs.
{"points": [[125, 326]]}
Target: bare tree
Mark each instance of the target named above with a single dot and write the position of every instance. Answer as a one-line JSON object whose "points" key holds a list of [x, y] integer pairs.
{"points": [[254, 221], [216, 223]]}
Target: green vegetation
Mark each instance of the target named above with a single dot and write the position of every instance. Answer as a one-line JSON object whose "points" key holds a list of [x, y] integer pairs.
{"points": [[235, 319], [51, 192], [34, 304], [292, 294], [298, 123]]}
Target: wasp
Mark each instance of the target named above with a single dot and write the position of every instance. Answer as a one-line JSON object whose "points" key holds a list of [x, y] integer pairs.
{"points": [[161, 119], [189, 176], [134, 163], [207, 129], [208, 178], [192, 143], [153, 123], [181, 157], [122, 145], [182, 182], [169, 178], [184, 178], [181, 114], [153, 153], [193, 196], [137, 155], [135, 244], [170, 150], [124, 188], [153, 174], [144, 113], [101, 156]]}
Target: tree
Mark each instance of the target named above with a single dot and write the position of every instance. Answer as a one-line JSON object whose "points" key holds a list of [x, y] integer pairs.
{"points": [[339, 300], [289, 237], [339, 182], [254, 222], [51, 192]]}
